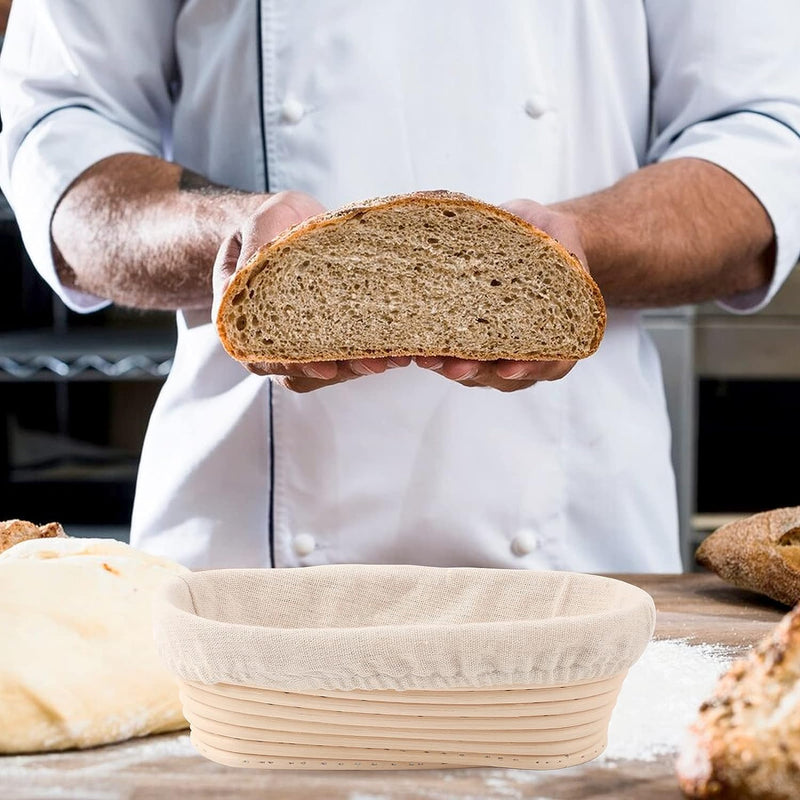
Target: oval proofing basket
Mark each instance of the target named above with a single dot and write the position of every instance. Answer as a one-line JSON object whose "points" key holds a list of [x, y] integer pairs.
{"points": [[396, 667]]}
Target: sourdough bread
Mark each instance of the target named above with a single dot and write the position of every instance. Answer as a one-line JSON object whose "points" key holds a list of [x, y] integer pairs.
{"points": [[760, 552], [745, 742], [427, 273]]}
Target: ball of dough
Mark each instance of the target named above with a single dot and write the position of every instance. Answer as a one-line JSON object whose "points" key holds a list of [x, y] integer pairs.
{"points": [[78, 666]]}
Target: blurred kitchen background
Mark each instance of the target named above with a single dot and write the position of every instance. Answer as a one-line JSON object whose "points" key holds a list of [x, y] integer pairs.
{"points": [[76, 392]]}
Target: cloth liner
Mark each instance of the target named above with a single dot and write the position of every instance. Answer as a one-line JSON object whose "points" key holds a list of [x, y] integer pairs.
{"points": [[401, 627]]}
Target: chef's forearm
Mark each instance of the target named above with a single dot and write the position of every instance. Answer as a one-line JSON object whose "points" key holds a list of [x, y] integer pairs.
{"points": [[682, 231], [144, 232]]}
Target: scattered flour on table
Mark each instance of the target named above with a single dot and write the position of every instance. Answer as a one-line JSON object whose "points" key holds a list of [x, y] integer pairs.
{"points": [[362, 796], [98, 761], [661, 697]]}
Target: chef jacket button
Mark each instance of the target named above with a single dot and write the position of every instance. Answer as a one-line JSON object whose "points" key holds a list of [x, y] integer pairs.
{"points": [[537, 106], [304, 544], [524, 543], [292, 110]]}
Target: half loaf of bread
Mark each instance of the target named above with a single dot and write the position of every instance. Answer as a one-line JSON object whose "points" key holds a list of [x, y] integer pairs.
{"points": [[427, 273], [760, 552]]}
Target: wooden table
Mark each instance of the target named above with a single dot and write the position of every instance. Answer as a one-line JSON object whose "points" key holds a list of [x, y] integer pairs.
{"points": [[695, 607]]}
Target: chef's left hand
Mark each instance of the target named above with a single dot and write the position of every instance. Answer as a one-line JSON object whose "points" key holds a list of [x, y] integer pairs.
{"points": [[511, 376]]}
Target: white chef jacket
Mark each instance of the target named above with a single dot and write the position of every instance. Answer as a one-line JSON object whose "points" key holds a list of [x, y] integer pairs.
{"points": [[350, 99]]}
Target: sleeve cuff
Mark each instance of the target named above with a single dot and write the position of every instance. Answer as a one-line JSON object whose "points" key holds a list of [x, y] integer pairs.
{"points": [[50, 158], [763, 153]]}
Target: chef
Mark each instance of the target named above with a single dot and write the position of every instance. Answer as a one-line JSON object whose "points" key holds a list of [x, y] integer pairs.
{"points": [[146, 142]]}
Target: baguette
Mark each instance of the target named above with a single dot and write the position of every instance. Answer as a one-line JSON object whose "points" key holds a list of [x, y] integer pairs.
{"points": [[13, 531], [760, 552], [427, 273], [745, 742]]}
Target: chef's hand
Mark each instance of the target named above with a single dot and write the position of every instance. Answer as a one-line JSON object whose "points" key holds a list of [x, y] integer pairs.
{"points": [[511, 376], [282, 211]]}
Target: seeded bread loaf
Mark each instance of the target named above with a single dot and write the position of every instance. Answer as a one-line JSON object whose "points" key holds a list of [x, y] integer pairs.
{"points": [[745, 742], [428, 273], [760, 552], [13, 531]]}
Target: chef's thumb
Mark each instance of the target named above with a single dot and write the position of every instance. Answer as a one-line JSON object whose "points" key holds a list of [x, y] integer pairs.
{"points": [[275, 215]]}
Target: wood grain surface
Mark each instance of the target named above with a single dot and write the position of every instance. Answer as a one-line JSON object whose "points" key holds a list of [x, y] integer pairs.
{"points": [[697, 607]]}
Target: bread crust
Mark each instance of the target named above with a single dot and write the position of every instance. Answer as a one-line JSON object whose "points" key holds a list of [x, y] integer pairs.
{"points": [[13, 531], [760, 553], [745, 742], [438, 197]]}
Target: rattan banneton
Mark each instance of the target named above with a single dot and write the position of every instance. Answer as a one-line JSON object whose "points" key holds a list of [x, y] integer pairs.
{"points": [[396, 667]]}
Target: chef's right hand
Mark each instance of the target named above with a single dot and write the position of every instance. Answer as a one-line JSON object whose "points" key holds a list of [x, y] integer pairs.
{"points": [[279, 212]]}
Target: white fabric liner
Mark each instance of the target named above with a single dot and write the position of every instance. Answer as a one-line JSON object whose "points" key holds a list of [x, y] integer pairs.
{"points": [[360, 626]]}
